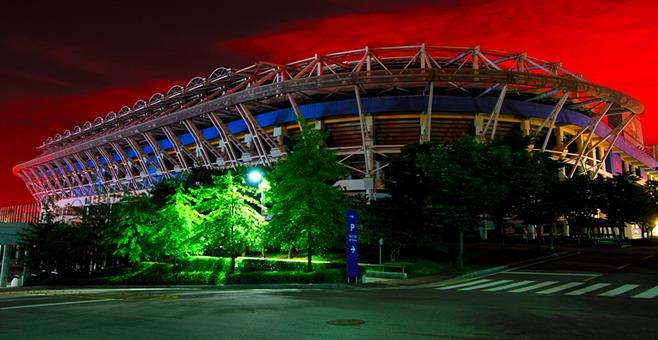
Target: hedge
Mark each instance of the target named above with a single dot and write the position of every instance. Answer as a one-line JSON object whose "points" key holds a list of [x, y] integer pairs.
{"points": [[320, 276], [259, 265]]}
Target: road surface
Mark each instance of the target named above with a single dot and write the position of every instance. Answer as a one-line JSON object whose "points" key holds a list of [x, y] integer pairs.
{"points": [[596, 294]]}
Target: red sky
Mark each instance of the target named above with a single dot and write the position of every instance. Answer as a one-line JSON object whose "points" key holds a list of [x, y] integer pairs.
{"points": [[69, 63]]}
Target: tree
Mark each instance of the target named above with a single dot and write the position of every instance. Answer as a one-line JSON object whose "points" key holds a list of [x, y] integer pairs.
{"points": [[307, 209], [231, 214], [649, 208], [536, 184], [179, 233], [135, 235], [625, 202], [581, 199], [467, 181]]}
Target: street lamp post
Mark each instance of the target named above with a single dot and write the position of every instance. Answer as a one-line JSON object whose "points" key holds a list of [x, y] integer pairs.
{"points": [[255, 177]]}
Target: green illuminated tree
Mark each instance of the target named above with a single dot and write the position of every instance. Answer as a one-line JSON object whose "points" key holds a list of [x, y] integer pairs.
{"points": [[307, 209], [179, 233], [231, 213], [135, 233]]}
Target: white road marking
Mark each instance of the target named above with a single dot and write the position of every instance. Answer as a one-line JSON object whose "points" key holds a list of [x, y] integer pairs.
{"points": [[485, 285], [552, 274], [623, 266], [647, 294], [532, 287], [646, 257], [588, 289], [560, 288], [619, 290], [55, 304], [464, 284], [508, 286]]}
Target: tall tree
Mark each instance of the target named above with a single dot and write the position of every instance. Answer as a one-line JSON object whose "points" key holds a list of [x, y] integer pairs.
{"points": [[625, 201], [232, 218], [535, 183], [135, 234], [307, 209], [179, 232], [649, 208], [467, 181]]}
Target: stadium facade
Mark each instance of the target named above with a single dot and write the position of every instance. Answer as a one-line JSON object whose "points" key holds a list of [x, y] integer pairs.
{"points": [[372, 100]]}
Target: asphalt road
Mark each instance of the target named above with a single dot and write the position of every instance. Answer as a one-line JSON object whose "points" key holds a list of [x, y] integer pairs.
{"points": [[500, 306]]}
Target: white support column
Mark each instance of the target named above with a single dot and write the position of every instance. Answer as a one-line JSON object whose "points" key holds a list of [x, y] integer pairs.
{"points": [[495, 114], [160, 155], [367, 139], [426, 124], [178, 148], [525, 127], [616, 133], [295, 109], [141, 158], [4, 270], [551, 120]]}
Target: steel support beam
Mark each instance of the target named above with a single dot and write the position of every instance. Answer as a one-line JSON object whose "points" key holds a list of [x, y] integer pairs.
{"points": [[615, 135], [127, 165], [495, 113], [550, 120], [426, 124], [178, 148], [594, 123], [202, 144], [160, 155], [228, 140]]}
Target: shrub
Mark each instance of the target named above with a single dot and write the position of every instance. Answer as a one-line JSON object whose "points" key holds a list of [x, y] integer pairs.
{"points": [[204, 263], [321, 276], [258, 265]]}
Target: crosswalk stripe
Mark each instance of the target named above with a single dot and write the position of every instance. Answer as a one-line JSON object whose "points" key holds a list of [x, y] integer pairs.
{"points": [[464, 284], [619, 290], [509, 286], [588, 289], [647, 294], [485, 285], [560, 288], [532, 287]]}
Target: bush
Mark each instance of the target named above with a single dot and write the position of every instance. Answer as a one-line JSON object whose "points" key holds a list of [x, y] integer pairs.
{"points": [[146, 273], [204, 263], [259, 265], [203, 270], [321, 276]]}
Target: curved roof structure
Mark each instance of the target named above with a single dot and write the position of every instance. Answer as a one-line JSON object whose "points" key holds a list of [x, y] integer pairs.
{"points": [[230, 116]]}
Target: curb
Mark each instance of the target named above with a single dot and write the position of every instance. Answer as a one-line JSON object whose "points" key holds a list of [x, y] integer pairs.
{"points": [[511, 266]]}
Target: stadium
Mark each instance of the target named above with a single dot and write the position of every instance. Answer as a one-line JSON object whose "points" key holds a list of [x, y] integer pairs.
{"points": [[373, 101]]}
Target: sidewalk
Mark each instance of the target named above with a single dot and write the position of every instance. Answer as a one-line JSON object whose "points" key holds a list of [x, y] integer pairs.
{"points": [[449, 277]]}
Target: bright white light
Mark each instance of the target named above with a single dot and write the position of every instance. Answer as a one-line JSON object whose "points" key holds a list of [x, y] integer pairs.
{"points": [[254, 176]]}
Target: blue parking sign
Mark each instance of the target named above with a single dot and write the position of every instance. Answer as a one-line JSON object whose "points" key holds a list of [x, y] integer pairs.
{"points": [[351, 244]]}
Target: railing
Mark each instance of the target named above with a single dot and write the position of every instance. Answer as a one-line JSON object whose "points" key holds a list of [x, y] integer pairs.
{"points": [[24, 213]]}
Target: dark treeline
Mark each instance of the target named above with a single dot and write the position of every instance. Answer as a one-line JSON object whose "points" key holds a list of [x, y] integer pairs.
{"points": [[438, 194]]}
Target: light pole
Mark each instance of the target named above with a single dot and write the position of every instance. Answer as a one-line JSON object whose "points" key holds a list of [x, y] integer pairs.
{"points": [[256, 178], [381, 243]]}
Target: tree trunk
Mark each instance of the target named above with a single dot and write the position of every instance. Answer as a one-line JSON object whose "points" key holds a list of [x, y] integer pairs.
{"points": [[232, 264], [498, 227], [538, 233], [290, 253], [461, 249], [309, 252]]}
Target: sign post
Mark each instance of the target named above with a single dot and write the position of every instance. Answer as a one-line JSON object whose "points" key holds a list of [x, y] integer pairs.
{"points": [[351, 244]]}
